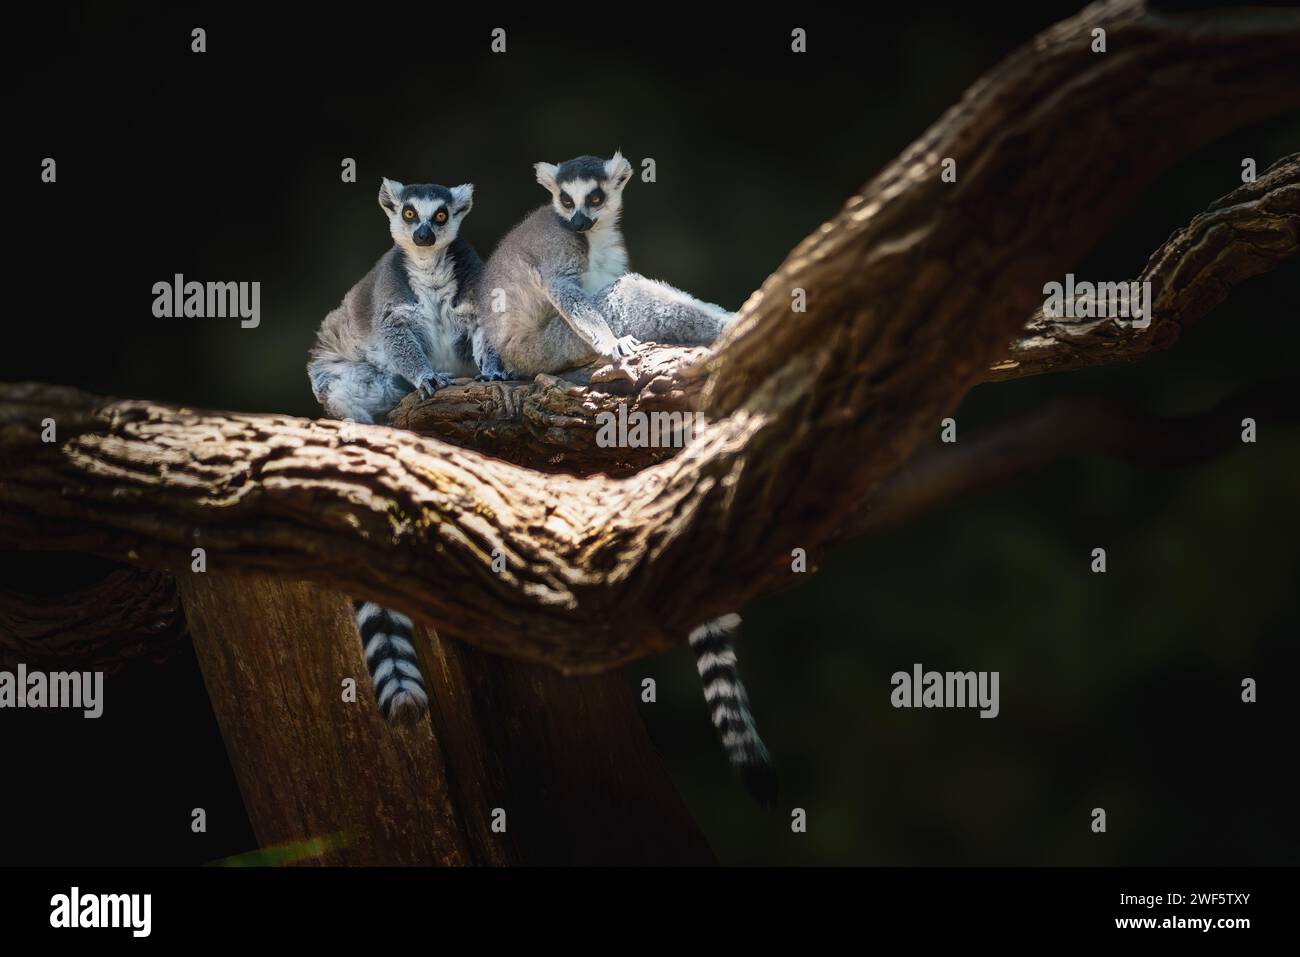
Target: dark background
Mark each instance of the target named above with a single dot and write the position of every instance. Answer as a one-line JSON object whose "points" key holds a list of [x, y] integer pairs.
{"points": [[1119, 690]]}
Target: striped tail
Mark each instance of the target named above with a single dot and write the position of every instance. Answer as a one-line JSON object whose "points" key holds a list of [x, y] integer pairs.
{"points": [[394, 668], [729, 706]]}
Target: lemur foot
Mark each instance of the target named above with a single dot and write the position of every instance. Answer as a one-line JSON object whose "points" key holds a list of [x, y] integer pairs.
{"points": [[494, 377], [434, 382]]}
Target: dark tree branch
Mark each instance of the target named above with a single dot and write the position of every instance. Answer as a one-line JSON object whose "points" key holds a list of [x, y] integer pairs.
{"points": [[567, 759], [100, 613], [1248, 232], [1068, 427], [551, 424], [914, 289]]}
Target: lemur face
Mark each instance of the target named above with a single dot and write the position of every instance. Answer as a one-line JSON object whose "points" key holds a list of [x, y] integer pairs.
{"points": [[587, 192], [424, 218]]}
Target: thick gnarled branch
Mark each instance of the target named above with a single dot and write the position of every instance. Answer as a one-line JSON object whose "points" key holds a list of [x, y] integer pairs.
{"points": [[1244, 234], [914, 290], [551, 424], [103, 614]]}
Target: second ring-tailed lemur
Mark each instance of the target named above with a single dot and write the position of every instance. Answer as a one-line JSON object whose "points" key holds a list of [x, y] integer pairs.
{"points": [[556, 294], [410, 323]]}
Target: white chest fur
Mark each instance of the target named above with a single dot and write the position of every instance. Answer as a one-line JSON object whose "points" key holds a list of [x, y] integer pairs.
{"points": [[606, 258], [434, 285]]}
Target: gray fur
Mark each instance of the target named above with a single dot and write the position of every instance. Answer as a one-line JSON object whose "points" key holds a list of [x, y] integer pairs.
{"points": [[556, 293], [408, 324], [411, 322]]}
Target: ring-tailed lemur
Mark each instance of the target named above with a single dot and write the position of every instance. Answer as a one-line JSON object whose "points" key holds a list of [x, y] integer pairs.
{"points": [[410, 323], [556, 294]]}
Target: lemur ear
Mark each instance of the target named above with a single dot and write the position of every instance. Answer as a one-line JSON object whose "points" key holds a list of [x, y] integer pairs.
{"points": [[618, 170], [462, 198], [390, 194], [546, 175]]}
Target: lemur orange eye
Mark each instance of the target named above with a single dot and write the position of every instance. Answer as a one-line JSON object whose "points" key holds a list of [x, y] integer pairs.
{"points": [[595, 199], [441, 216], [408, 214]]}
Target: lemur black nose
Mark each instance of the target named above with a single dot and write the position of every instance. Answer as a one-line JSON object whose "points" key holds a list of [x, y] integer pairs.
{"points": [[581, 222], [424, 235]]}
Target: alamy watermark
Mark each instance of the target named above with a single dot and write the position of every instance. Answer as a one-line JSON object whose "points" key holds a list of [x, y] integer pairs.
{"points": [[646, 430], [129, 911], [58, 689], [210, 300], [946, 689], [1102, 300]]}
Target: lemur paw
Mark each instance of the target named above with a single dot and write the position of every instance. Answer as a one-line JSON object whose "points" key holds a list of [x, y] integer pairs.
{"points": [[434, 382], [493, 377], [624, 346]]}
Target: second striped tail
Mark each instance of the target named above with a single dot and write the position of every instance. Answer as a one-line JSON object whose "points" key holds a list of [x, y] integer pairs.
{"points": [[715, 656]]}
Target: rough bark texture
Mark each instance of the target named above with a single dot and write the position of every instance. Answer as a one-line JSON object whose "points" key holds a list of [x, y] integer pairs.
{"points": [[274, 655], [1247, 232], [552, 423], [913, 289], [58, 606], [567, 759]]}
